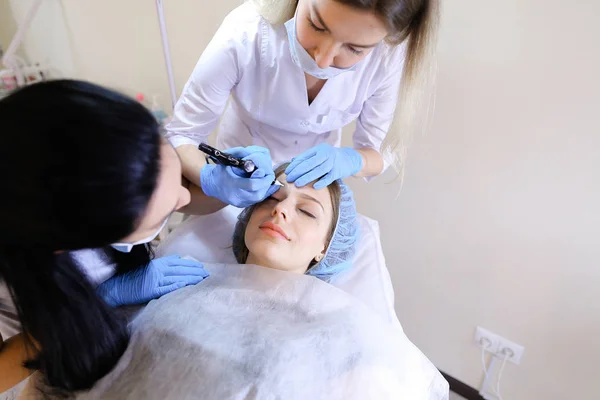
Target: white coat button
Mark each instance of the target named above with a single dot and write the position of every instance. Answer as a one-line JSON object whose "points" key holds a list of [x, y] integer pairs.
{"points": [[295, 142], [304, 123]]}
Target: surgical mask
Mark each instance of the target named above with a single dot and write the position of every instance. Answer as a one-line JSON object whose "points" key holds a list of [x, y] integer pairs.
{"points": [[126, 247], [304, 60]]}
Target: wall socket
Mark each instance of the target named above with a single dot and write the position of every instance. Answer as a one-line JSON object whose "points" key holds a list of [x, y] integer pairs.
{"points": [[498, 345]]}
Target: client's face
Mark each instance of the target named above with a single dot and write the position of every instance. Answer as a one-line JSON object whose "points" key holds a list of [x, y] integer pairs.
{"points": [[289, 229]]}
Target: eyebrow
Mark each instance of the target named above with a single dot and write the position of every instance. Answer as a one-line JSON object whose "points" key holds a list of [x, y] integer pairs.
{"points": [[316, 10], [309, 197]]}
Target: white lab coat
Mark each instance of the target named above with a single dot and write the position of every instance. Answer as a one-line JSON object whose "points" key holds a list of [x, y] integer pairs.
{"points": [[250, 59]]}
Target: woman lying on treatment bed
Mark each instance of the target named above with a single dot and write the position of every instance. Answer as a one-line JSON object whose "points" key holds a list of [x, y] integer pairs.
{"points": [[267, 333]]}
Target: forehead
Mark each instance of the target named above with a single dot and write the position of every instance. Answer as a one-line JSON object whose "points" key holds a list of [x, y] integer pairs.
{"points": [[347, 23], [165, 195]]}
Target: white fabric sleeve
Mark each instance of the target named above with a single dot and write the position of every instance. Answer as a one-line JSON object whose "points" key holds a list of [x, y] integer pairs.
{"points": [[9, 320], [378, 110], [205, 95]]}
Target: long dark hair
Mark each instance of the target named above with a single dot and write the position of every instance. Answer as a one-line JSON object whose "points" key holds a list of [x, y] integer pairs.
{"points": [[79, 164]]}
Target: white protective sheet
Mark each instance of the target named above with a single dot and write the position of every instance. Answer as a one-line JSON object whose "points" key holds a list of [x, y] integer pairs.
{"points": [[250, 332], [208, 239]]}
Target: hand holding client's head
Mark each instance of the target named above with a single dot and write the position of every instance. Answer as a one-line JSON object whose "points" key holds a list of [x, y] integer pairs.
{"points": [[300, 230]]}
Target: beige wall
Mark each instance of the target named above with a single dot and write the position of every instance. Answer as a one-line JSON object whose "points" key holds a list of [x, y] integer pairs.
{"points": [[7, 24], [498, 222], [47, 40], [117, 43]]}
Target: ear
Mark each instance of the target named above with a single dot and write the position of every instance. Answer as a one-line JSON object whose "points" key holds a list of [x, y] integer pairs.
{"points": [[320, 256]]}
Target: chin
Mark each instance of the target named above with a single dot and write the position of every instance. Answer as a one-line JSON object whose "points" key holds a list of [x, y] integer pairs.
{"points": [[271, 254], [267, 250]]}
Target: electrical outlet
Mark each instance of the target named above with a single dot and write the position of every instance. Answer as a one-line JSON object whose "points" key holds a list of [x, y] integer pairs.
{"points": [[483, 336], [499, 346], [511, 349]]}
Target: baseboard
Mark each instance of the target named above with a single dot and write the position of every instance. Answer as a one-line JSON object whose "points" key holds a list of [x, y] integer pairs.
{"points": [[462, 389]]}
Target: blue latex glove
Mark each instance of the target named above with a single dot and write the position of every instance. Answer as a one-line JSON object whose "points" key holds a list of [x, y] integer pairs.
{"points": [[158, 278], [232, 185], [323, 162]]}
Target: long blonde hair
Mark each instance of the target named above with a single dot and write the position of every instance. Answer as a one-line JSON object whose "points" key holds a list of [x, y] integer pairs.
{"points": [[414, 21]]}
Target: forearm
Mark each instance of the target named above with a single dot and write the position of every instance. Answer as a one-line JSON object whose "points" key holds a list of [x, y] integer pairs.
{"points": [[192, 162], [372, 162], [13, 353], [200, 203]]}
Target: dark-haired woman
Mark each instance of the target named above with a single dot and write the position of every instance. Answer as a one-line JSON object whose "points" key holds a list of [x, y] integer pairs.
{"points": [[87, 181]]}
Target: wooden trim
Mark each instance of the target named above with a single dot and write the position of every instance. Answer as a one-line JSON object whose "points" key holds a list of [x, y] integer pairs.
{"points": [[462, 389]]}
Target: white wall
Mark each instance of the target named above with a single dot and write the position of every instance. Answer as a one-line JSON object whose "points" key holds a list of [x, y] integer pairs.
{"points": [[498, 223]]}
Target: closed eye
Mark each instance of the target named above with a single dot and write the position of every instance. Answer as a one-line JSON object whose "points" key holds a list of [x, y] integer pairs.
{"points": [[307, 214], [316, 28], [354, 51]]}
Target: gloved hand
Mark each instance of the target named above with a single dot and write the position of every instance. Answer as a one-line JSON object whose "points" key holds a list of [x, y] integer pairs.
{"points": [[325, 162], [232, 185], [158, 278]]}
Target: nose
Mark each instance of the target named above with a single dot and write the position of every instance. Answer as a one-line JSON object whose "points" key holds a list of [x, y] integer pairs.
{"points": [[280, 210], [184, 198], [325, 54]]}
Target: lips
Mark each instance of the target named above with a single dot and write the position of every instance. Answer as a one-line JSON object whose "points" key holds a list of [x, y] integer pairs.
{"points": [[274, 230]]}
